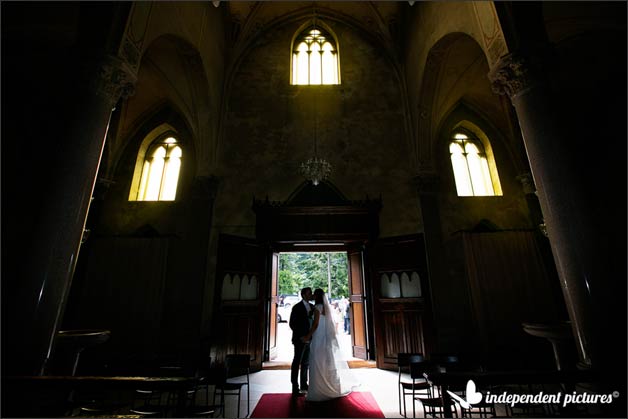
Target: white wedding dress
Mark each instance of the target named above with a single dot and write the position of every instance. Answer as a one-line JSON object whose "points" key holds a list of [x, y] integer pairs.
{"points": [[329, 373]]}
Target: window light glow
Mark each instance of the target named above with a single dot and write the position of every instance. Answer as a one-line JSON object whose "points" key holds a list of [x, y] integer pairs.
{"points": [[160, 172], [154, 176], [461, 170], [471, 167], [314, 59]]}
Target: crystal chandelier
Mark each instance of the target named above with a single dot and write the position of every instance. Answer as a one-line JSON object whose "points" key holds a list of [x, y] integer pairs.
{"points": [[315, 169]]}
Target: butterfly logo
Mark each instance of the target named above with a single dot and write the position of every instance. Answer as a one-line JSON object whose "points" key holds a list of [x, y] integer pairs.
{"points": [[473, 396]]}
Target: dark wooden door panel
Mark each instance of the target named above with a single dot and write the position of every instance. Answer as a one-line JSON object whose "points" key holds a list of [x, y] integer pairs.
{"points": [[402, 311], [356, 291], [239, 299], [403, 332], [241, 335]]}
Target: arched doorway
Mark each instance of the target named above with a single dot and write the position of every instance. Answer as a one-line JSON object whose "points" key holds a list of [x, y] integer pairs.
{"points": [[320, 219]]}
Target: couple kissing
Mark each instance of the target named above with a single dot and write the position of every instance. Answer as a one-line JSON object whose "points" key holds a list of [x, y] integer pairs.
{"points": [[316, 350]]}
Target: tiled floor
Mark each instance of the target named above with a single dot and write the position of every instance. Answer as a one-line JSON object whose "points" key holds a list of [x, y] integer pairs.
{"points": [[382, 385]]}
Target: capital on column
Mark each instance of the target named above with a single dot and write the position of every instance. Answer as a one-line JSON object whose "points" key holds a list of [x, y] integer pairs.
{"points": [[517, 73], [113, 79], [427, 183]]}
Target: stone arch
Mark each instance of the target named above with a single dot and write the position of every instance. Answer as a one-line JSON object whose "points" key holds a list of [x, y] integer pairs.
{"points": [[430, 114], [171, 71]]}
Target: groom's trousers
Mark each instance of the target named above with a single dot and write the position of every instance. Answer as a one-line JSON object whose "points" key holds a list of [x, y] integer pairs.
{"points": [[300, 361]]}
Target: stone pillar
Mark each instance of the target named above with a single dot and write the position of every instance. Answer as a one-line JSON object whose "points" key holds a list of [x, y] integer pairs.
{"points": [[47, 276], [565, 210]]}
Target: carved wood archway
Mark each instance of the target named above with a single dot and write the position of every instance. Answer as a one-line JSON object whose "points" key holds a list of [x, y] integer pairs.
{"points": [[317, 214]]}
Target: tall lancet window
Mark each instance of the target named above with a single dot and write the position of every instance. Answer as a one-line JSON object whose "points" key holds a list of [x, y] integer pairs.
{"points": [[160, 171], [315, 57], [474, 168]]}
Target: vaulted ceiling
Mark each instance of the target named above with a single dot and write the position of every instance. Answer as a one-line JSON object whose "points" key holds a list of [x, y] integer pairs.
{"points": [[378, 17], [380, 21]]}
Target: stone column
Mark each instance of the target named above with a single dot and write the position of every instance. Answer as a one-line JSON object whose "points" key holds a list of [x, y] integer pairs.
{"points": [[47, 278], [565, 210]]}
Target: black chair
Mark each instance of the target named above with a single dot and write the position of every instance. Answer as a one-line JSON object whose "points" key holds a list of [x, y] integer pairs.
{"points": [[419, 387], [435, 407], [147, 403], [215, 376], [403, 368], [237, 366], [445, 360], [151, 403], [478, 410]]}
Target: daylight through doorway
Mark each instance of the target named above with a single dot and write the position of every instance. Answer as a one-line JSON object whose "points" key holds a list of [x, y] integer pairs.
{"points": [[325, 270]]}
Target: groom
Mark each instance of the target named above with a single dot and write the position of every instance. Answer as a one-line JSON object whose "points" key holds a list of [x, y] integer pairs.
{"points": [[300, 321]]}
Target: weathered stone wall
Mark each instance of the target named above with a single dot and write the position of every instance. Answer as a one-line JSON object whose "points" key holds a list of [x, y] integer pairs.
{"points": [[270, 127]]}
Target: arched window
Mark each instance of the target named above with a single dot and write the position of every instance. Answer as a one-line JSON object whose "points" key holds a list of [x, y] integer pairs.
{"points": [[474, 169], [315, 58], [160, 171]]}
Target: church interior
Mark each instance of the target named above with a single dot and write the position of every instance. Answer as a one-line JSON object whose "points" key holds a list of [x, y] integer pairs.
{"points": [[469, 158]]}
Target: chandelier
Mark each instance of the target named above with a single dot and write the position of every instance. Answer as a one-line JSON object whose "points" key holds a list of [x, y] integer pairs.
{"points": [[315, 169]]}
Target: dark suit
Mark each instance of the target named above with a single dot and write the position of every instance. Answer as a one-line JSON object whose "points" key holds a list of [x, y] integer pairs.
{"points": [[300, 325]]}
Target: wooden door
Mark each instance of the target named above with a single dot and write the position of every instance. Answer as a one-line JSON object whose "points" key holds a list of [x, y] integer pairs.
{"points": [[272, 310], [239, 299], [357, 306], [402, 312]]}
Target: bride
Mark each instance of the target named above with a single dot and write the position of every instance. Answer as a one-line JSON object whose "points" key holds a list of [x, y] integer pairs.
{"points": [[326, 364]]}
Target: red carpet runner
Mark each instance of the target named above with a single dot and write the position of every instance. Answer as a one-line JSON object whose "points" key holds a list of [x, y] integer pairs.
{"points": [[355, 405]]}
